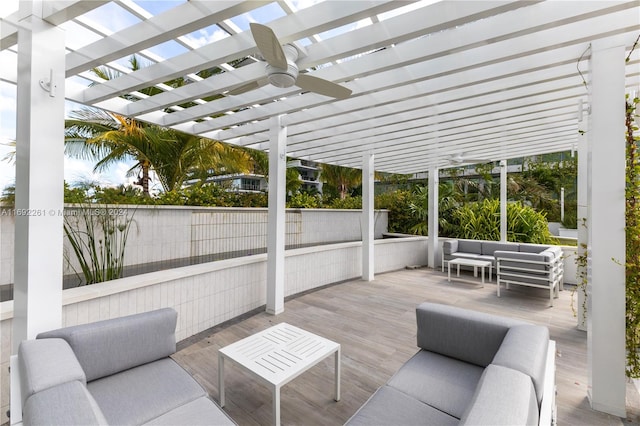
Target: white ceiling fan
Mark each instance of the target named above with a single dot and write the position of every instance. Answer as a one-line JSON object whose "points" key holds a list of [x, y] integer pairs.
{"points": [[282, 70], [459, 158]]}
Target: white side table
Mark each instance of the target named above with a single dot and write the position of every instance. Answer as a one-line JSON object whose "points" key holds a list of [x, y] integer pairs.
{"points": [[276, 356], [470, 262]]}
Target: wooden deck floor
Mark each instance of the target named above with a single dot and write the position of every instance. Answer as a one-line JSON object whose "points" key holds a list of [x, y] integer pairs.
{"points": [[375, 324]]}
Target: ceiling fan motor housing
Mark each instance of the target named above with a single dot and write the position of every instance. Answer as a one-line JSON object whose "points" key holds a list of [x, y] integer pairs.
{"points": [[281, 77]]}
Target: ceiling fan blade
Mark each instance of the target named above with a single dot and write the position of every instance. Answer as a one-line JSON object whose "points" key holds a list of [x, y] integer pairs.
{"points": [[321, 86], [247, 87], [269, 45]]}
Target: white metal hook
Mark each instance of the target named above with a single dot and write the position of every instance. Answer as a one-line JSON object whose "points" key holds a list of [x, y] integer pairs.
{"points": [[49, 86]]}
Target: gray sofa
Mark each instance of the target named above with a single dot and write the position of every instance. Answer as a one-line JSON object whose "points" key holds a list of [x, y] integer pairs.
{"points": [[114, 372], [532, 265], [471, 369]]}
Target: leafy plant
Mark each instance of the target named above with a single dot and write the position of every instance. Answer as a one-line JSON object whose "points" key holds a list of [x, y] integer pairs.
{"points": [[98, 237], [481, 221], [632, 238], [302, 200]]}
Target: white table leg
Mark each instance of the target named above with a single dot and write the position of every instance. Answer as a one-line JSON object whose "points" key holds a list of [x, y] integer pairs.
{"points": [[276, 405], [449, 272], [482, 272], [458, 265], [221, 378], [337, 369], [475, 272]]}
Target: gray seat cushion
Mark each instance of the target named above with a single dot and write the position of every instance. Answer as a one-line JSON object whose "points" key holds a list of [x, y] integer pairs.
{"points": [[524, 348], [444, 383], [389, 406], [65, 405], [108, 347], [46, 363], [504, 397], [200, 412], [144, 393]]}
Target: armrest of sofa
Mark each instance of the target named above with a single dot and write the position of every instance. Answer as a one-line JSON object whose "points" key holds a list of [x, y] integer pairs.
{"points": [[43, 364], [525, 349], [107, 347], [469, 336], [449, 246]]}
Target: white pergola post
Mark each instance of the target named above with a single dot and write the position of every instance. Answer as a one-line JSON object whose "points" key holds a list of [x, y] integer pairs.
{"points": [[368, 222], [583, 185], [39, 177], [276, 217], [606, 204], [503, 200], [432, 220]]}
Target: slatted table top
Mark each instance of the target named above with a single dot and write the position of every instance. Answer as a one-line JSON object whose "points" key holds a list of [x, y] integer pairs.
{"points": [[279, 353]]}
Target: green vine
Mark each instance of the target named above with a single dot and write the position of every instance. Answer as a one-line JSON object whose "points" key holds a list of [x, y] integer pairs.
{"points": [[632, 238], [581, 274]]}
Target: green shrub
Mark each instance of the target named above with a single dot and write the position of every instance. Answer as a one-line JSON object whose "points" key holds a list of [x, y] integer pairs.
{"points": [[481, 221], [348, 202], [303, 200], [398, 203]]}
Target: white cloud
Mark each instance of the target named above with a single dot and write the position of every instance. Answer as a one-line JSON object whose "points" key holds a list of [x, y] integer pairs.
{"points": [[205, 36]]}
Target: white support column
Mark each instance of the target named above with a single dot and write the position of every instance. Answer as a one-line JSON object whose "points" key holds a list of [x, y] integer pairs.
{"points": [[39, 177], [368, 223], [583, 185], [432, 220], [606, 204], [276, 217], [503, 200]]}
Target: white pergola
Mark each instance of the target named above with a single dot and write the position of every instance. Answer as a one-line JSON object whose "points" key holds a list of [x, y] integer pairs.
{"points": [[488, 80]]}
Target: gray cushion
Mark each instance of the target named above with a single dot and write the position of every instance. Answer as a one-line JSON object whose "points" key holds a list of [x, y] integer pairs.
{"points": [[444, 383], [143, 393], [46, 363], [531, 261], [524, 348], [107, 347], [469, 336], [504, 397], [470, 246], [65, 405], [459, 254], [532, 248], [488, 247], [389, 406], [202, 411], [450, 246]]}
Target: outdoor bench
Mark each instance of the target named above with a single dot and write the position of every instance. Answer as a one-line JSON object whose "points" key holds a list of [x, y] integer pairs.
{"points": [[113, 372], [472, 369]]}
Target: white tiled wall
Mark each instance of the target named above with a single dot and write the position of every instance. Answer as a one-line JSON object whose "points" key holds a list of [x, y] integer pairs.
{"points": [[163, 233]]}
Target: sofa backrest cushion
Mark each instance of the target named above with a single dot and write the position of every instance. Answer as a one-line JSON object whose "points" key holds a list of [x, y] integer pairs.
{"points": [[470, 246], [467, 335], [532, 248], [107, 347], [489, 247], [531, 261], [46, 363], [66, 404], [524, 348], [450, 246], [503, 397]]}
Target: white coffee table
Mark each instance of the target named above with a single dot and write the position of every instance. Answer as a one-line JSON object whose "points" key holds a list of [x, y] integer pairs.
{"points": [[470, 262], [276, 356]]}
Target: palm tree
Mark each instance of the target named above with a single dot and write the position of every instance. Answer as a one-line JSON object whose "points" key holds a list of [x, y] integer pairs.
{"points": [[92, 133], [173, 156], [343, 179]]}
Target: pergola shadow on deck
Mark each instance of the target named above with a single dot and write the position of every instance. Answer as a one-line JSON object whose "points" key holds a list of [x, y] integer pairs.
{"points": [[375, 324]]}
